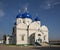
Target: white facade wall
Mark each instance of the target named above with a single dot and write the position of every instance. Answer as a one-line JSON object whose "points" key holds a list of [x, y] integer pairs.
{"points": [[28, 28], [21, 30], [33, 28]]}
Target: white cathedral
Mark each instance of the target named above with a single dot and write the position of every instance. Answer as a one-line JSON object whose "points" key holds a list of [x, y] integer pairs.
{"points": [[26, 31]]}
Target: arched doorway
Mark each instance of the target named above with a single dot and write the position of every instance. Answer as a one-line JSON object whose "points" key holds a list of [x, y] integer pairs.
{"points": [[32, 38], [38, 39]]}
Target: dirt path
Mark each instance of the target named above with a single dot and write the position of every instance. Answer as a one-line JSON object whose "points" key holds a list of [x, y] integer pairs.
{"points": [[27, 48]]}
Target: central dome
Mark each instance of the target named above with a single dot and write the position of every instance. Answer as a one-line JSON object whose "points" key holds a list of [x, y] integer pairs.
{"points": [[26, 15]]}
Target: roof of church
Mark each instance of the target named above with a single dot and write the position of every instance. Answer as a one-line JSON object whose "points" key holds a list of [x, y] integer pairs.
{"points": [[24, 15], [19, 16], [37, 19]]}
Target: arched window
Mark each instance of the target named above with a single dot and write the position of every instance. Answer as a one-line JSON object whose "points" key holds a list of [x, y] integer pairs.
{"points": [[22, 37], [39, 34], [19, 21]]}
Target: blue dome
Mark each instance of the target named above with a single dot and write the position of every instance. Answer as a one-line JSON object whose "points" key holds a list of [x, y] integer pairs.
{"points": [[37, 19], [19, 16], [26, 15]]}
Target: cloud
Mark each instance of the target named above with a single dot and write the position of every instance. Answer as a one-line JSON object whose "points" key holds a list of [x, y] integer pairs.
{"points": [[2, 13], [48, 4], [56, 3]]}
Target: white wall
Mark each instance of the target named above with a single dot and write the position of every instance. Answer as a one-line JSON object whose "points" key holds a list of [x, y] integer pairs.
{"points": [[21, 29], [44, 30], [33, 27]]}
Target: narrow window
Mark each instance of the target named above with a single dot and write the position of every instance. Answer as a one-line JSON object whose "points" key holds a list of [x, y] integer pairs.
{"points": [[39, 34], [23, 21], [20, 21], [39, 30], [22, 37]]}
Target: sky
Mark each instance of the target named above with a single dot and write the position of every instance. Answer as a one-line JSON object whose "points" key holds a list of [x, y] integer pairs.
{"points": [[47, 10]]}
